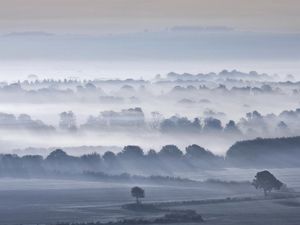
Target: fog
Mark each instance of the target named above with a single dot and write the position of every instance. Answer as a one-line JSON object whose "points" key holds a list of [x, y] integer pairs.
{"points": [[14, 70], [213, 110], [71, 149], [149, 112]]}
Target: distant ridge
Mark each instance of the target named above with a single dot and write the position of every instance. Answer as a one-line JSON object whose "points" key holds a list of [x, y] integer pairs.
{"points": [[29, 34]]}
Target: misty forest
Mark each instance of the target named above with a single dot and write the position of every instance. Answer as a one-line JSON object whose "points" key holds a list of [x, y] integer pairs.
{"points": [[133, 112]]}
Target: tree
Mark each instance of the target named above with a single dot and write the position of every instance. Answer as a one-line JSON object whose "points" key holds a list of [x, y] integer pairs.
{"points": [[137, 193], [58, 154], [212, 125], [131, 152], [266, 181], [67, 121], [231, 128], [170, 152], [197, 152], [109, 157], [156, 120], [152, 155]]}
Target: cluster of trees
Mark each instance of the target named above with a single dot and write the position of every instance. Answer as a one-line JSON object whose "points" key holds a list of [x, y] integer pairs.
{"points": [[223, 89], [23, 121], [258, 153], [208, 125], [131, 159], [128, 118], [268, 152], [133, 118], [33, 80], [252, 125], [225, 74], [66, 91], [67, 121], [229, 82]]}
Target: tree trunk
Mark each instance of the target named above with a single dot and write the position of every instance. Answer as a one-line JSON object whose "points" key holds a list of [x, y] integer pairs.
{"points": [[265, 193], [137, 200]]}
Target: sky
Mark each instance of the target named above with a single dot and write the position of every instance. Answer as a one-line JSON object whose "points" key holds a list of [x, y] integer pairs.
{"points": [[97, 16], [59, 38]]}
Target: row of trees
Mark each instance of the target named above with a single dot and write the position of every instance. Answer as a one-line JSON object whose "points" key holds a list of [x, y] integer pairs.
{"points": [[131, 159], [253, 124], [134, 120], [258, 153]]}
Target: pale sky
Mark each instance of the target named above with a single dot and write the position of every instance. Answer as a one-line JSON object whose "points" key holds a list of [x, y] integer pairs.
{"points": [[104, 16], [262, 33]]}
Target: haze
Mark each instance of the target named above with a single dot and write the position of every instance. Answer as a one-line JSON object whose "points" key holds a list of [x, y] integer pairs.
{"points": [[149, 112]]}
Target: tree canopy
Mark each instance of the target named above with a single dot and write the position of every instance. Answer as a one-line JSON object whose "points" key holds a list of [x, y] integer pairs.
{"points": [[137, 193], [266, 181]]}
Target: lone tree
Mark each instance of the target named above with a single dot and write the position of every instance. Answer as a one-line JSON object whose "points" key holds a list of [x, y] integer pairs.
{"points": [[137, 193], [266, 181]]}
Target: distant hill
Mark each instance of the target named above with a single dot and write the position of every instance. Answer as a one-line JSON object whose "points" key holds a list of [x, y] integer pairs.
{"points": [[270, 152], [29, 34]]}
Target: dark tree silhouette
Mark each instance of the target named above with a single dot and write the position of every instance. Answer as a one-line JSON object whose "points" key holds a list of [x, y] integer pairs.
{"points": [[109, 157], [131, 152], [232, 128], [137, 193], [152, 155], [266, 181], [58, 154], [265, 152], [170, 152], [197, 152], [212, 125]]}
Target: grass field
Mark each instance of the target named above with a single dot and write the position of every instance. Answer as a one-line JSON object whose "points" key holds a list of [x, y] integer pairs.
{"points": [[50, 201]]}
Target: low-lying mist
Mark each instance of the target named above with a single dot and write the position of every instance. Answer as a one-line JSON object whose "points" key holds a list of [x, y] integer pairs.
{"points": [[213, 110]]}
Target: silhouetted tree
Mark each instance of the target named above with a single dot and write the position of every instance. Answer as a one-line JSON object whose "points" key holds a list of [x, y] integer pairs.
{"points": [[231, 128], [170, 151], [109, 157], [137, 193], [168, 125], [58, 154], [131, 152], [197, 124], [266, 181], [212, 125], [197, 152], [67, 121], [91, 160], [180, 124], [152, 154]]}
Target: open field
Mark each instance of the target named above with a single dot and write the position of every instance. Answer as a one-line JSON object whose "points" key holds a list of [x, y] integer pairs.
{"points": [[50, 201], [260, 212], [43, 201]]}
